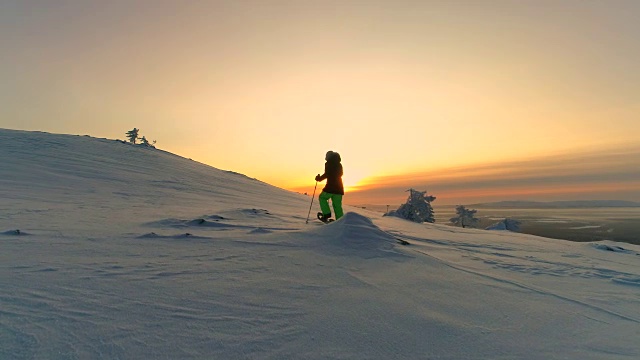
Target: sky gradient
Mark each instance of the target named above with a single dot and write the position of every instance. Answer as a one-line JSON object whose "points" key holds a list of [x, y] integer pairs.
{"points": [[469, 100]]}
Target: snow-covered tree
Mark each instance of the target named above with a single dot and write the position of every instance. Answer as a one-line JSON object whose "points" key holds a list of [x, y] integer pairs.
{"points": [[133, 135], [145, 142], [417, 208], [464, 217], [506, 224]]}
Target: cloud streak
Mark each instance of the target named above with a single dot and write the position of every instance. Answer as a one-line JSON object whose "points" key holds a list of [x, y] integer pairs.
{"points": [[606, 174]]}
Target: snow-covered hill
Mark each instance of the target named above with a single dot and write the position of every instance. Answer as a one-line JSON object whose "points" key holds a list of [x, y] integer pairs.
{"points": [[115, 251]]}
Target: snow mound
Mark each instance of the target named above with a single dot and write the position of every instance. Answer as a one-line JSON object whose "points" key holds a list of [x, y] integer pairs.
{"points": [[244, 219], [627, 281], [153, 235], [15, 233], [354, 235], [506, 225], [204, 223], [199, 222], [260, 231], [497, 226], [611, 246]]}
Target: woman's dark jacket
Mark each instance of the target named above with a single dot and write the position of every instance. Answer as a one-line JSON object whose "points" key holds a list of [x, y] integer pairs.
{"points": [[333, 174]]}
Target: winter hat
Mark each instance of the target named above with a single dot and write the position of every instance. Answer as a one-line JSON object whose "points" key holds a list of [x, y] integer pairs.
{"points": [[329, 155], [332, 156]]}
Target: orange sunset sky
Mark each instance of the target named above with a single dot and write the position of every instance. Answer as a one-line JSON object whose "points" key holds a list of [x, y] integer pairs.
{"points": [[470, 100]]}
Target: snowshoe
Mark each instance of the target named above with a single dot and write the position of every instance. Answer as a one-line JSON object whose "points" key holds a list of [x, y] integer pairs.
{"points": [[324, 218]]}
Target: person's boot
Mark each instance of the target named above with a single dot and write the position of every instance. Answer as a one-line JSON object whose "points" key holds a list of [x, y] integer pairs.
{"points": [[325, 218]]}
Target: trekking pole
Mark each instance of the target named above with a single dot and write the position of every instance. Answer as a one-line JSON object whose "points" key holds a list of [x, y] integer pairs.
{"points": [[314, 195]]}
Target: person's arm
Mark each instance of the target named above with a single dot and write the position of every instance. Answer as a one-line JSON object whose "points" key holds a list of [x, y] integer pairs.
{"points": [[323, 176]]}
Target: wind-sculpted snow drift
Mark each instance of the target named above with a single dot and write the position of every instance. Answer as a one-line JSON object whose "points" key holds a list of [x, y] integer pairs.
{"points": [[126, 252], [353, 235]]}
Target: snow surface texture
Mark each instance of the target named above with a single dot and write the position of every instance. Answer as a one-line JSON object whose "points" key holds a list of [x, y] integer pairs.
{"points": [[115, 251]]}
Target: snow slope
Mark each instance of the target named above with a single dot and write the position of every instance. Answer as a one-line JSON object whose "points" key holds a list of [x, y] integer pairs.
{"points": [[126, 252]]}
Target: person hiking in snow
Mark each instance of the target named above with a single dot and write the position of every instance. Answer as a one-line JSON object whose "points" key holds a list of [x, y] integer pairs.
{"points": [[334, 189]]}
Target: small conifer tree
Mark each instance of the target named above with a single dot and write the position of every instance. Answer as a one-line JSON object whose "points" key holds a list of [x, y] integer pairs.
{"points": [[417, 208], [464, 217], [145, 142], [132, 135]]}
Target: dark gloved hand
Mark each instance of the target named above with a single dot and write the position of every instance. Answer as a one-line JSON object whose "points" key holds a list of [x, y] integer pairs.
{"points": [[318, 177]]}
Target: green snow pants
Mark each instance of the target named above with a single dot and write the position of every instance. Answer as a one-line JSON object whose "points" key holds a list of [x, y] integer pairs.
{"points": [[336, 201]]}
